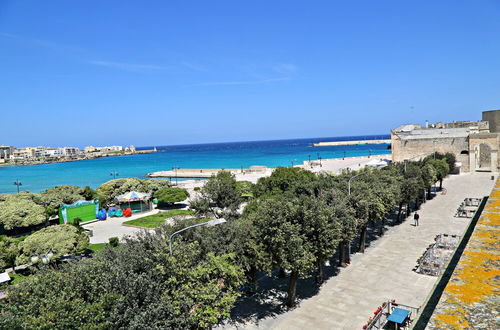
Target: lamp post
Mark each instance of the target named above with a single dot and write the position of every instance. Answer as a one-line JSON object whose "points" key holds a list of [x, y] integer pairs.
{"points": [[175, 168], [18, 184], [344, 155], [309, 157], [114, 174], [319, 158], [210, 223]]}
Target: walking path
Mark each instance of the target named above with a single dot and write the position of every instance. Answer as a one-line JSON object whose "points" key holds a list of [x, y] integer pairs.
{"points": [[384, 271], [112, 227]]}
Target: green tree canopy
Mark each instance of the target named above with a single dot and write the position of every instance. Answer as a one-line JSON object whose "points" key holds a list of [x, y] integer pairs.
{"points": [[290, 180], [245, 188], [281, 228], [221, 191], [8, 252], [441, 168], [20, 211], [134, 286], [53, 197], [171, 195], [61, 239]]}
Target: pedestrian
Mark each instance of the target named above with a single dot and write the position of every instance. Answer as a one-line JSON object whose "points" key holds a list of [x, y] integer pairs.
{"points": [[415, 218]]}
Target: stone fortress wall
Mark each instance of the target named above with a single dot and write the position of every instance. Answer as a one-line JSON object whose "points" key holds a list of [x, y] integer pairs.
{"points": [[474, 143]]}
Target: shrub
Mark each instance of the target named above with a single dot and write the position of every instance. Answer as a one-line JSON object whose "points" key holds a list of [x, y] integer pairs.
{"points": [[61, 239], [21, 211], [171, 195], [113, 241]]}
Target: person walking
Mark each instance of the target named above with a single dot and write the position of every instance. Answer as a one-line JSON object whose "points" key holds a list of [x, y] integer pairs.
{"points": [[415, 218]]}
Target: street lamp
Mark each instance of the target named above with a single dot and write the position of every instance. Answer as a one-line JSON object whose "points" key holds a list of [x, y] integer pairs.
{"points": [[210, 223], [18, 184], [319, 158], [309, 157], [114, 174], [175, 168], [344, 155]]}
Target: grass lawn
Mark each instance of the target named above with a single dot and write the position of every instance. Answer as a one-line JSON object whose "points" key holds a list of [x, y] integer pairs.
{"points": [[97, 246], [156, 220], [17, 278]]}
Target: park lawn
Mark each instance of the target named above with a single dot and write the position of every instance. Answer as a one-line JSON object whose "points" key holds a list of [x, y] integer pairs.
{"points": [[96, 246], [17, 278], [156, 220]]}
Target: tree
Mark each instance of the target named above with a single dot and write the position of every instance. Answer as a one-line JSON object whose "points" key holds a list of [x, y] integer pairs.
{"points": [[137, 285], [201, 205], [21, 211], [245, 188], [54, 197], [280, 228], [332, 189], [429, 176], [61, 239], [151, 186], [8, 252], [442, 169], [323, 230], [88, 193], [289, 180], [414, 176], [449, 158], [172, 195], [221, 191]]}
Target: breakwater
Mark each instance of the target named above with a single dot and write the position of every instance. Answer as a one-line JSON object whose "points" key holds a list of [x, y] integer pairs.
{"points": [[351, 143]]}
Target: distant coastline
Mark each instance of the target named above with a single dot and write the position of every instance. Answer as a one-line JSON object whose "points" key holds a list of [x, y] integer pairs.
{"points": [[29, 162]]}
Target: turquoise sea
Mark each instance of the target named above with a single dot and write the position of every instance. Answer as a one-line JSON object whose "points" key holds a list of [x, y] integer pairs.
{"points": [[36, 178]]}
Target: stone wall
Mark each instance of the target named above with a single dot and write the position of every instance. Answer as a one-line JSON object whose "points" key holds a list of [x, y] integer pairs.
{"points": [[493, 117], [490, 143], [405, 149]]}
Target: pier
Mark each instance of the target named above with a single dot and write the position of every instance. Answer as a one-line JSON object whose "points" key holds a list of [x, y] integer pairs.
{"points": [[351, 143], [204, 173]]}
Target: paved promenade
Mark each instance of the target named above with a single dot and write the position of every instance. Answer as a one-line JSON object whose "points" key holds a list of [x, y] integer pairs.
{"points": [[385, 272]]}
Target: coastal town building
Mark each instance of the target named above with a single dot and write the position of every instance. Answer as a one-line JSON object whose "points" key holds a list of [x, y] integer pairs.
{"points": [[90, 149], [475, 144], [6, 152]]}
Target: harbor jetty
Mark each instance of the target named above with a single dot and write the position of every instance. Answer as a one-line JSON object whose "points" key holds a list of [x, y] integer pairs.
{"points": [[204, 173], [351, 143]]}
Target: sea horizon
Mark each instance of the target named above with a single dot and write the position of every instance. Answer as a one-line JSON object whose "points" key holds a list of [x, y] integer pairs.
{"points": [[270, 153]]}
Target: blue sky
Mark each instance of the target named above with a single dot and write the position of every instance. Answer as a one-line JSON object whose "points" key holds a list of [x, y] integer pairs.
{"points": [[175, 72]]}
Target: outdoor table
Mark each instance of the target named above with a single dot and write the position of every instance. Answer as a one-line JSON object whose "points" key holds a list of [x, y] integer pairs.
{"points": [[398, 316]]}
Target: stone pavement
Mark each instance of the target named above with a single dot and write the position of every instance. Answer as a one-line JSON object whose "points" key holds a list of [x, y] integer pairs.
{"points": [[112, 227], [385, 270]]}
